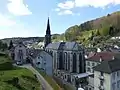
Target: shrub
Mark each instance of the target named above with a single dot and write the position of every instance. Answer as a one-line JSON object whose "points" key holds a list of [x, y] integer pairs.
{"points": [[6, 66]]}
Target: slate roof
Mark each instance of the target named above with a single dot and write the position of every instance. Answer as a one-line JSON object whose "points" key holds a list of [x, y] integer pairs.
{"points": [[108, 66], [63, 45], [53, 45], [69, 45], [106, 56], [34, 53]]}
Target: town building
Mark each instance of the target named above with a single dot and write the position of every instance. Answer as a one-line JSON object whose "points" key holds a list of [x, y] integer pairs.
{"points": [[96, 60], [68, 59], [20, 53], [107, 75], [43, 61]]}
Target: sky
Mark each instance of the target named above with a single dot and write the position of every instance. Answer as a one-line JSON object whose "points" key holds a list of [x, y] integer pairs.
{"points": [[28, 18]]}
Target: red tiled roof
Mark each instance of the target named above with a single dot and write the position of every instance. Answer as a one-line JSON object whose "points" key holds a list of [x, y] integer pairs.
{"points": [[104, 55]]}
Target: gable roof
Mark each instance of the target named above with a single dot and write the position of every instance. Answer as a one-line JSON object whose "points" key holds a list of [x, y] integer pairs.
{"points": [[108, 66], [34, 53], [106, 56], [20, 43]]}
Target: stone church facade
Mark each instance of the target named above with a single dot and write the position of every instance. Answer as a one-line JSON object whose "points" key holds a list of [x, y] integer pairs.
{"points": [[68, 57]]}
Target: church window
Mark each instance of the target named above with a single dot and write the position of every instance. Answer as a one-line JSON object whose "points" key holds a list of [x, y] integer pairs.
{"points": [[80, 63], [74, 63]]}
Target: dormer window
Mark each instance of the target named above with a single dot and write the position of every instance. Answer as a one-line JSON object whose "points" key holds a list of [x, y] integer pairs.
{"points": [[20, 46]]}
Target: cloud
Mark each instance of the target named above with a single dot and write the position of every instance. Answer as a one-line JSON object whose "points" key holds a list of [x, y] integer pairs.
{"points": [[57, 9], [6, 21], [85, 3], [18, 8], [12, 28], [66, 5], [66, 12]]}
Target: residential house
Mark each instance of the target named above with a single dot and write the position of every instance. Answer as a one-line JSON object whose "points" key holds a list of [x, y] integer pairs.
{"points": [[95, 60], [107, 75], [43, 61], [20, 52]]}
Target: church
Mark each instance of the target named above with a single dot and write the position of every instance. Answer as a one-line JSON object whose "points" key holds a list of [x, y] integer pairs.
{"points": [[68, 57]]}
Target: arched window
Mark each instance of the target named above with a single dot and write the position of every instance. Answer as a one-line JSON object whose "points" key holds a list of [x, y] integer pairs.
{"points": [[68, 59], [65, 61], [74, 63], [80, 63], [61, 66]]}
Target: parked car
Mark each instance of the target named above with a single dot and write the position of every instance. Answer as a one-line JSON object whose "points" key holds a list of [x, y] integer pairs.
{"points": [[19, 62]]}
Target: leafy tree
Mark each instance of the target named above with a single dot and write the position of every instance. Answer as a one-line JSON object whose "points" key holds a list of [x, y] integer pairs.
{"points": [[104, 31], [97, 33], [10, 45]]}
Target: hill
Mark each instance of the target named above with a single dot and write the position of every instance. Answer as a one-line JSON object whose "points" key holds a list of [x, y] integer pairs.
{"points": [[15, 78], [16, 39], [100, 28]]}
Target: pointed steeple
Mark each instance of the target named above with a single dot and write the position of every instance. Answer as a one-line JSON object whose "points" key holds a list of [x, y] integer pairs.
{"points": [[48, 34], [48, 27]]}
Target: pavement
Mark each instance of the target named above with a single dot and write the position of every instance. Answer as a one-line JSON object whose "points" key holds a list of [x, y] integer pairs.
{"points": [[45, 85]]}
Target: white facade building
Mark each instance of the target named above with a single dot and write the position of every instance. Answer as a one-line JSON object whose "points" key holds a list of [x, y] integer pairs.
{"points": [[107, 75], [44, 61]]}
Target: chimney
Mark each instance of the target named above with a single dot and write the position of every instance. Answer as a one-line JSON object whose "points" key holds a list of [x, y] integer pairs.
{"points": [[101, 59]]}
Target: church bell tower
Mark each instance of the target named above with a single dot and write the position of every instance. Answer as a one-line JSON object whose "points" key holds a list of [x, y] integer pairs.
{"points": [[48, 34]]}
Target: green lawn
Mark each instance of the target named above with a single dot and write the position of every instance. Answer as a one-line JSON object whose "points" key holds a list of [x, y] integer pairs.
{"points": [[25, 78], [50, 80]]}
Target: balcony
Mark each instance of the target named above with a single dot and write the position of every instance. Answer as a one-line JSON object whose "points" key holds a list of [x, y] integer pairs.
{"points": [[101, 87], [101, 77]]}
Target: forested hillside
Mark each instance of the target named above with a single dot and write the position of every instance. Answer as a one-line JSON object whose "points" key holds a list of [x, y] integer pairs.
{"points": [[94, 31]]}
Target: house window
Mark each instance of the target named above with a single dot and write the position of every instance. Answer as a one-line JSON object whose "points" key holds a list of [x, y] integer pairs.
{"points": [[113, 75], [113, 86], [101, 73], [118, 74], [88, 69], [20, 46], [101, 83], [93, 64], [65, 76], [118, 84], [88, 63]]}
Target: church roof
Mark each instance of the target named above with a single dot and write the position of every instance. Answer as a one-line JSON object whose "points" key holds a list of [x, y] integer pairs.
{"points": [[63, 45], [53, 45]]}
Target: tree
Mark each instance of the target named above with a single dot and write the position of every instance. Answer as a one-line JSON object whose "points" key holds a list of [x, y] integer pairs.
{"points": [[111, 30], [10, 45], [15, 81], [97, 33]]}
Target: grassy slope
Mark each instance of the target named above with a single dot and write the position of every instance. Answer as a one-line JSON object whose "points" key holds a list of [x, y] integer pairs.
{"points": [[26, 78]]}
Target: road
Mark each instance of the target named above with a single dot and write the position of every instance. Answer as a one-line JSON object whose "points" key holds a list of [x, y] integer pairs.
{"points": [[44, 83]]}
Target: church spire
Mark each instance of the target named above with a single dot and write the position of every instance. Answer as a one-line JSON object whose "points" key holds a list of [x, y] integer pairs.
{"points": [[48, 34], [48, 27]]}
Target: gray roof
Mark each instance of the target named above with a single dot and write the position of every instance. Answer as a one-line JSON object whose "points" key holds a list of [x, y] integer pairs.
{"points": [[63, 45], [34, 53], [108, 66], [53, 45]]}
